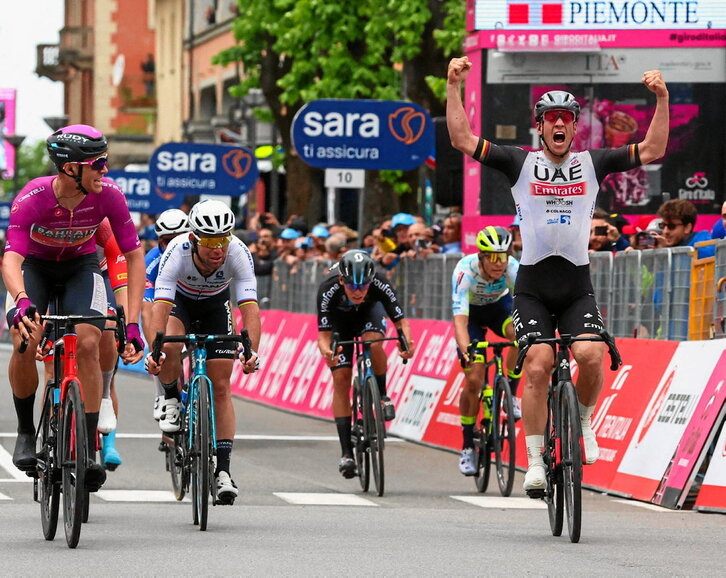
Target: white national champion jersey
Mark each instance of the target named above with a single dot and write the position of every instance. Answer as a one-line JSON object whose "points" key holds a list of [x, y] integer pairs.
{"points": [[178, 273]]}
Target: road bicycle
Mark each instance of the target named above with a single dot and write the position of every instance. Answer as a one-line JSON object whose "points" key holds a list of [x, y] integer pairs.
{"points": [[62, 444], [495, 435], [563, 446], [191, 452], [368, 426]]}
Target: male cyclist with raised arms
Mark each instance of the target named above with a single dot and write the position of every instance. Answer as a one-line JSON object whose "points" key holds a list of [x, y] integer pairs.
{"points": [[169, 224], [555, 190], [481, 295], [353, 301], [192, 295], [51, 241]]}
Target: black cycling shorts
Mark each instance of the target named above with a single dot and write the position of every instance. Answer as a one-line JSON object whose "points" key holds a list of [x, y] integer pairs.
{"points": [[351, 324], [555, 294], [84, 291], [211, 316], [494, 316]]}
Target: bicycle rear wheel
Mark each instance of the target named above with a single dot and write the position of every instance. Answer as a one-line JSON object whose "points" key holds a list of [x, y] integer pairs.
{"points": [[504, 435], [376, 433], [201, 453], [74, 457], [360, 440], [48, 488], [571, 434], [555, 492]]}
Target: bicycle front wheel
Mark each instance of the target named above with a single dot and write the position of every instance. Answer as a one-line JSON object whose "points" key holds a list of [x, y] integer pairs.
{"points": [[483, 449], [48, 488], [555, 492], [360, 439], [571, 434], [175, 466], [202, 440], [376, 432], [74, 458], [504, 435]]}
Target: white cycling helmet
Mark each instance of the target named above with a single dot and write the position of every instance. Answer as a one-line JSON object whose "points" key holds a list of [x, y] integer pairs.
{"points": [[172, 222], [210, 217]]}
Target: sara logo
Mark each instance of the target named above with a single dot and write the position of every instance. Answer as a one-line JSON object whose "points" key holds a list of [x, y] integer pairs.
{"points": [[237, 163], [407, 124]]}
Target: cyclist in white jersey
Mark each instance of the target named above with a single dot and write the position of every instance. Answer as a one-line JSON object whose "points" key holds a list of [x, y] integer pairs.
{"points": [[192, 294], [481, 297], [555, 190]]}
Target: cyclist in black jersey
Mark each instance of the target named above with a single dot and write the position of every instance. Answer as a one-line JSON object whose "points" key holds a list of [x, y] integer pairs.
{"points": [[353, 301], [555, 190]]}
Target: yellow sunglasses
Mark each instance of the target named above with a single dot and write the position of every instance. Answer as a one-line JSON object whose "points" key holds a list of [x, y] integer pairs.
{"points": [[214, 242], [493, 257]]}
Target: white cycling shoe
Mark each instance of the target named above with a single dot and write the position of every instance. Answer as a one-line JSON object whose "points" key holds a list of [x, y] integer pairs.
{"points": [[535, 478], [106, 417], [170, 419], [466, 462], [592, 450]]}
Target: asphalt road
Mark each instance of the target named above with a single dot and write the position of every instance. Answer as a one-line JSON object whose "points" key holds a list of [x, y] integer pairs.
{"points": [[297, 516]]}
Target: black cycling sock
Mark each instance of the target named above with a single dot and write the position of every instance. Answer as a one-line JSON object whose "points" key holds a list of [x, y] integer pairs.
{"points": [[24, 411], [344, 428], [381, 381], [91, 425], [468, 431], [171, 391], [513, 384], [224, 453]]}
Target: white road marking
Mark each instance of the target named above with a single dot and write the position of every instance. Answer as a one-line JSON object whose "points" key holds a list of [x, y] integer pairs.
{"points": [[647, 506], [137, 496], [6, 463], [503, 503], [4, 497], [312, 499]]}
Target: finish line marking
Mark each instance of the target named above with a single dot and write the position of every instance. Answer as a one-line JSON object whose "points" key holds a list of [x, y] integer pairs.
{"points": [[312, 499]]}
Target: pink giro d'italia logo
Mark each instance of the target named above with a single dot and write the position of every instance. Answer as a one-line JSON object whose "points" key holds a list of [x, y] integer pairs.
{"points": [[534, 12]]}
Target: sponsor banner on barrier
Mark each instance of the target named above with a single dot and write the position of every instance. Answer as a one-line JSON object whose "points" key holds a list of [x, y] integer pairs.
{"points": [[624, 396], [712, 496], [698, 435], [664, 421]]}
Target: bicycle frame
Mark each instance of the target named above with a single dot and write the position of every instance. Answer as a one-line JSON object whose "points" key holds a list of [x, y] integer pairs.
{"points": [[198, 379]]}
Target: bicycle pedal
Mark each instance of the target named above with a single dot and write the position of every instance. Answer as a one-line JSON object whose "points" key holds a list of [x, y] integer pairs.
{"points": [[110, 467], [536, 494]]}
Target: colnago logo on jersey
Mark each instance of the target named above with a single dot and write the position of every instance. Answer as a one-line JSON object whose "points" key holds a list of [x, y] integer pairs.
{"points": [[69, 237]]}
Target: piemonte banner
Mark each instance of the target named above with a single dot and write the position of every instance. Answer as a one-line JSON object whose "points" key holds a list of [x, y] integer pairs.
{"points": [[363, 134], [202, 169]]}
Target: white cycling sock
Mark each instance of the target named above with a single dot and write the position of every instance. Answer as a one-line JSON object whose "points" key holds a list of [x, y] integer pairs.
{"points": [[585, 412], [534, 449]]}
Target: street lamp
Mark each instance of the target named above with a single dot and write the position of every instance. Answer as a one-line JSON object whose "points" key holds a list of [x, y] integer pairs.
{"points": [[15, 140], [56, 122]]}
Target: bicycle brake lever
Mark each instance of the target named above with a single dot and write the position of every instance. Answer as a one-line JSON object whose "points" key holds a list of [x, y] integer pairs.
{"points": [[24, 343], [246, 344]]}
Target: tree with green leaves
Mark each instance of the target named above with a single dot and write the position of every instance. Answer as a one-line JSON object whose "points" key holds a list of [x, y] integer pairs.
{"points": [[297, 51], [32, 162]]}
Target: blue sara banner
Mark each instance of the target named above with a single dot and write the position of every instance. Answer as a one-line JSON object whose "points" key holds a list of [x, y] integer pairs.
{"points": [[4, 216], [203, 169], [139, 196], [363, 134]]}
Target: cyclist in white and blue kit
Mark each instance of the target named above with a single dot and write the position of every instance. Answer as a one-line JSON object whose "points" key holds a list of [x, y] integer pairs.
{"points": [[481, 293], [193, 291], [555, 190]]}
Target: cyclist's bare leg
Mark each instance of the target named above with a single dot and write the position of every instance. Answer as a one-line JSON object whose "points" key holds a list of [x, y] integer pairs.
{"points": [[379, 359], [22, 372], [469, 398], [172, 364], [219, 371], [538, 367], [589, 356], [89, 366], [341, 392]]}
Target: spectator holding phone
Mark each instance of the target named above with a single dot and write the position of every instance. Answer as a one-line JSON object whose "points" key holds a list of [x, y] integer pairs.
{"points": [[604, 236]]}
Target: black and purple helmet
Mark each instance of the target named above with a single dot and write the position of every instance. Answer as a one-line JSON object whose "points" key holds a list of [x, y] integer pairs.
{"points": [[75, 143]]}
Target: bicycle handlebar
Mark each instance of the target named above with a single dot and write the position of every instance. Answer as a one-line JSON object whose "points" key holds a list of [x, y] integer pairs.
{"points": [[475, 346], [195, 338], [566, 340], [403, 342]]}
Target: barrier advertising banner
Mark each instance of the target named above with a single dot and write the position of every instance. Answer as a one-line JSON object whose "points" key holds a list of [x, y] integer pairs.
{"points": [[664, 421], [712, 496]]}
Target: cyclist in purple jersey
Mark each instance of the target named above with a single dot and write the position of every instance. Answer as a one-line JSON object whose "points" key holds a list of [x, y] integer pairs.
{"points": [[51, 242], [555, 190]]}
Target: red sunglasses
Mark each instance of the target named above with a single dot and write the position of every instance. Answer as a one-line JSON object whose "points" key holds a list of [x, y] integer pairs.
{"points": [[567, 116], [96, 164]]}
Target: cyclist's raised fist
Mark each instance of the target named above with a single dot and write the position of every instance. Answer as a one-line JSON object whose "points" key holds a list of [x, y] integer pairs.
{"points": [[459, 69]]}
